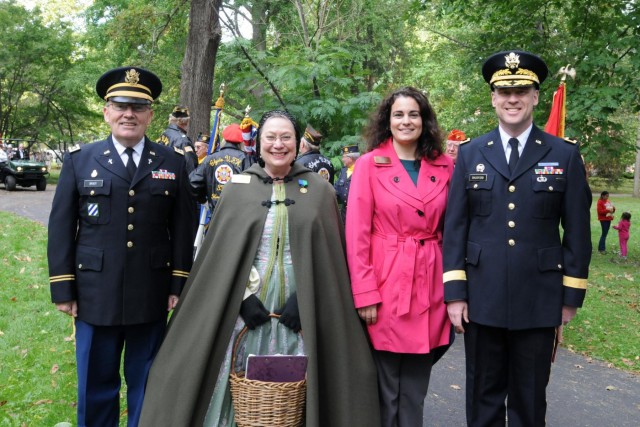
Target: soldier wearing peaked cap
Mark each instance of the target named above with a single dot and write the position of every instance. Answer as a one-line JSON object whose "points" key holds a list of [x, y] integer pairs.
{"points": [[175, 135], [120, 247], [350, 154], [310, 156], [510, 279]]}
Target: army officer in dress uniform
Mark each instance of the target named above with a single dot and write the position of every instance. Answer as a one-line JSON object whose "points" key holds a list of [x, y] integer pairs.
{"points": [[120, 247], [310, 156], [350, 154], [510, 279]]}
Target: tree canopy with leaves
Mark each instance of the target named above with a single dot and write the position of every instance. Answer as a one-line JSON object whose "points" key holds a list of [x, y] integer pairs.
{"points": [[330, 62]]}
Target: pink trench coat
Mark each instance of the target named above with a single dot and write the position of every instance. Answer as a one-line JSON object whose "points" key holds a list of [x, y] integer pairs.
{"points": [[394, 249]]}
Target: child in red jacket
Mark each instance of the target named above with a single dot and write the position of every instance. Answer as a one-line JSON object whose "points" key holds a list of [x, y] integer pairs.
{"points": [[623, 232]]}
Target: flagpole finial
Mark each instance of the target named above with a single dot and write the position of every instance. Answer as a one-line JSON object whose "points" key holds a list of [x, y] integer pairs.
{"points": [[247, 111], [567, 71]]}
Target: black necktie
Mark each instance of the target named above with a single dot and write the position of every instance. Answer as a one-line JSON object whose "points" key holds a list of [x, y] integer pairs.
{"points": [[513, 158], [131, 165]]}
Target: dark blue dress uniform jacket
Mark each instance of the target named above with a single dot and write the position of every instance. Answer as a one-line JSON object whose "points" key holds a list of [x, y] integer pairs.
{"points": [[504, 251], [120, 247]]}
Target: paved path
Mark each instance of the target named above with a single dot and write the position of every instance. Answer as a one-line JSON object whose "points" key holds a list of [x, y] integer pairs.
{"points": [[581, 393]]}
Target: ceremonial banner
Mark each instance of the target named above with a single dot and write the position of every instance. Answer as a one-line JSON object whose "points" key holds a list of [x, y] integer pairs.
{"points": [[555, 124]]}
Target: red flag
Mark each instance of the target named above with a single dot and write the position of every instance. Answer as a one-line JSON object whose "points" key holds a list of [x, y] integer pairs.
{"points": [[555, 124]]}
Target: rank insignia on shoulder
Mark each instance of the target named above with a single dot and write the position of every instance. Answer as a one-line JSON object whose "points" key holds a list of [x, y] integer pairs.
{"points": [[382, 160], [465, 141], [570, 141], [75, 148], [179, 151]]}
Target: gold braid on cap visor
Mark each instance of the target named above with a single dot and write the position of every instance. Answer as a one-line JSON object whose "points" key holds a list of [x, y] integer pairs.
{"points": [[522, 77], [132, 90], [308, 137]]}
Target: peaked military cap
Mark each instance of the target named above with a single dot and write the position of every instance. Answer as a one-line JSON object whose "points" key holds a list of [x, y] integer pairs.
{"points": [[129, 84], [180, 112], [514, 68], [312, 135], [350, 149]]}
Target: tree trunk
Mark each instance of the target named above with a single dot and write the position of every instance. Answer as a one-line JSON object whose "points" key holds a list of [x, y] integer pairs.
{"points": [[636, 170], [196, 86]]}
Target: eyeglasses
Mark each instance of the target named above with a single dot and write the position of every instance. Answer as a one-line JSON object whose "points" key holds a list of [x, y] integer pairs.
{"points": [[283, 138], [136, 108]]}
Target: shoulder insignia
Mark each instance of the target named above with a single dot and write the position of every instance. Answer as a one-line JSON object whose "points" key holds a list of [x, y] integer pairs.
{"points": [[179, 151], [570, 141], [75, 148], [465, 141], [381, 160]]}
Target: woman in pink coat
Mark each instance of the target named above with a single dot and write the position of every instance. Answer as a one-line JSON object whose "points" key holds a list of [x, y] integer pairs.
{"points": [[394, 228]]}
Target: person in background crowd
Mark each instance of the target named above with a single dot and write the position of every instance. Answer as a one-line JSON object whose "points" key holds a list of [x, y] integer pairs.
{"points": [[623, 232], [119, 247], [202, 147], [3, 155], [605, 210], [175, 135], [21, 153], [455, 138], [350, 154], [251, 265], [394, 226], [217, 169], [310, 156], [511, 280]]}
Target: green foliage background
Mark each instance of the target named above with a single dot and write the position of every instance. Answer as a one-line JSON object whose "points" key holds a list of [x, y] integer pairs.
{"points": [[336, 72]]}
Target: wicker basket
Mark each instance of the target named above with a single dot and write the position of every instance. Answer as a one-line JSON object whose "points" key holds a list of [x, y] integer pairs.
{"points": [[266, 404]]}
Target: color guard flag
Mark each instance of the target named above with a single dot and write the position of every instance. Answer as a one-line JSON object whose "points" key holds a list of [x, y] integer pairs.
{"points": [[555, 124]]}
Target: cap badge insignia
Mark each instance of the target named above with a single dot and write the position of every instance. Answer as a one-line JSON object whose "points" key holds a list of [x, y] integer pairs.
{"points": [[303, 185], [132, 77], [94, 173], [512, 61], [480, 168]]}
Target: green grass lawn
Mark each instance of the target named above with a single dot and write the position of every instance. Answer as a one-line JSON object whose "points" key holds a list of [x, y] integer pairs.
{"points": [[37, 369]]}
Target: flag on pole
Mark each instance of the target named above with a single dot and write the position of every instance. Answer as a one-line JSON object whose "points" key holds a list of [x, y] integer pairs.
{"points": [[249, 130], [555, 124], [214, 145], [214, 139]]}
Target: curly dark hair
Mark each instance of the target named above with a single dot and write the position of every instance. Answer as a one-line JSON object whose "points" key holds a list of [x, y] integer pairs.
{"points": [[269, 115], [378, 130]]}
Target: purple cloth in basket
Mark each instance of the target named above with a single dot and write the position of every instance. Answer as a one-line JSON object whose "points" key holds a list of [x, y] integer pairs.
{"points": [[279, 368]]}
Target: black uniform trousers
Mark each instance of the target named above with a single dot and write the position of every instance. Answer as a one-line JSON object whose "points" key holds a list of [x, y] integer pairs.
{"points": [[507, 364]]}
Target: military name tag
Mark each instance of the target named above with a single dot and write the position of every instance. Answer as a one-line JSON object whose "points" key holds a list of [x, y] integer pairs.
{"points": [[477, 177], [241, 179], [93, 183]]}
